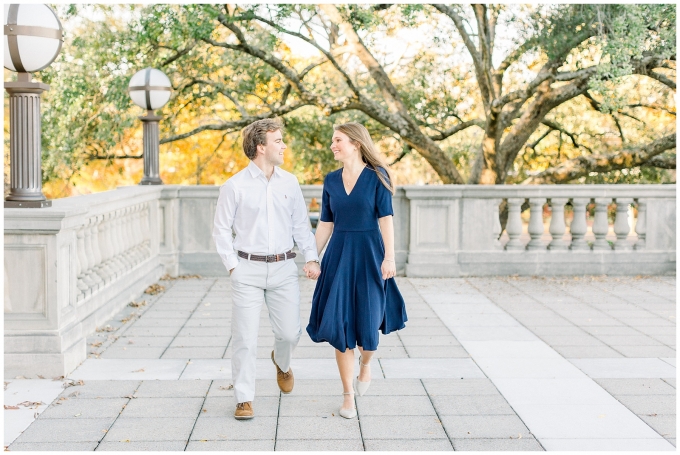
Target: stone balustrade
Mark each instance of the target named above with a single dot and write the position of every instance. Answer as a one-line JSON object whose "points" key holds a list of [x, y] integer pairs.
{"points": [[70, 267]]}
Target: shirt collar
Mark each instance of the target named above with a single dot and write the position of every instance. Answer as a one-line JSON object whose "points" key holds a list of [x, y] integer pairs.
{"points": [[256, 171]]}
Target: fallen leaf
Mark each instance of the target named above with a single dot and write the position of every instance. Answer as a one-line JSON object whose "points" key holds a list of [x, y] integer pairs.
{"points": [[205, 410], [11, 407], [137, 304], [74, 394], [206, 304], [41, 376], [77, 415], [141, 370], [20, 377], [96, 344], [131, 342], [106, 328], [125, 440], [129, 396], [229, 387], [30, 404], [154, 289], [520, 436]]}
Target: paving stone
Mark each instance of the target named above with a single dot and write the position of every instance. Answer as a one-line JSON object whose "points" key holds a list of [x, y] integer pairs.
{"points": [[151, 429], [169, 389], [587, 352], [503, 426], [84, 408], [310, 406], [628, 340], [151, 331], [208, 322], [304, 352], [471, 405], [645, 351], [332, 427], [102, 389], [133, 352], [53, 446], [162, 407], [571, 340], [649, 404], [263, 388], [561, 330], [205, 331], [206, 352], [231, 446], [407, 427], [185, 342], [465, 387], [391, 387], [670, 381], [321, 387], [143, 342], [318, 445], [225, 406], [173, 312], [439, 352], [160, 322], [430, 331], [228, 428], [506, 445], [662, 424], [394, 405], [429, 341], [651, 386], [174, 446], [66, 430], [411, 445]]}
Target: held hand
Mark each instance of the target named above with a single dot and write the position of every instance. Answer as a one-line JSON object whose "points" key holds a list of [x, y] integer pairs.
{"points": [[388, 269], [312, 270]]}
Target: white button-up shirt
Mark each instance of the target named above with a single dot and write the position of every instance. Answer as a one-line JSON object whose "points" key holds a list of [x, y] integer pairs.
{"points": [[266, 215]]}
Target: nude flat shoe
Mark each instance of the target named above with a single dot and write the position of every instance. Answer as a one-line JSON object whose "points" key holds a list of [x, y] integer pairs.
{"points": [[348, 413], [359, 386]]}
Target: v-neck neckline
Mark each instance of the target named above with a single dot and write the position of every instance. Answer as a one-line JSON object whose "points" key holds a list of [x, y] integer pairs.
{"points": [[355, 183]]}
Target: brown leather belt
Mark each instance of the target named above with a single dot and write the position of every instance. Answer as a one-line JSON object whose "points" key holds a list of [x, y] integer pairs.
{"points": [[270, 258]]}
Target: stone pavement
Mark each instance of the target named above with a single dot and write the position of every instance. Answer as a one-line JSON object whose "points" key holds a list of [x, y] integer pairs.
{"points": [[507, 363]]}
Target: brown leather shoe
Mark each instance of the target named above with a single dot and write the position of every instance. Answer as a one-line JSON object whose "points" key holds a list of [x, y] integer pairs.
{"points": [[284, 380], [244, 411]]}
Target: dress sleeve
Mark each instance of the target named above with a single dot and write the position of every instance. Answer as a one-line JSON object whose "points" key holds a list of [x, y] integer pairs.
{"points": [[383, 198], [326, 212]]}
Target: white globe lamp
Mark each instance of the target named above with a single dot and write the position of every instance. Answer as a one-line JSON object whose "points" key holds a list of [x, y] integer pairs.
{"points": [[150, 89], [33, 37]]}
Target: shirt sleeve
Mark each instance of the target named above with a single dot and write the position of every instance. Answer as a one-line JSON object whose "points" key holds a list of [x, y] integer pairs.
{"points": [[225, 213], [326, 212], [383, 197], [302, 228]]}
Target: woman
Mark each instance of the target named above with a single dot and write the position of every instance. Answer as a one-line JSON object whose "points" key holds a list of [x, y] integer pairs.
{"points": [[356, 293]]}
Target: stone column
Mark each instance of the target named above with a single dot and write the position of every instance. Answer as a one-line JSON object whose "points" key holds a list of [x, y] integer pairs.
{"points": [[641, 224], [621, 226], [514, 224], [151, 148], [579, 227], [536, 223], [557, 224], [24, 143], [601, 224]]}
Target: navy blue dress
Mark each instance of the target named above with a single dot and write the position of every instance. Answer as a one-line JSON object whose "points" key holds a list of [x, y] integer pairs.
{"points": [[351, 300]]}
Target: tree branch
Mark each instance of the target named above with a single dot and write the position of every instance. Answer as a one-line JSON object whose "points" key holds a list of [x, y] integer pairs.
{"points": [[457, 128], [554, 126], [584, 165], [662, 162]]}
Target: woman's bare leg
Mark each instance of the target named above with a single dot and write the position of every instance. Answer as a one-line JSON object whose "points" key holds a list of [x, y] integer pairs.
{"points": [[365, 372], [345, 362]]}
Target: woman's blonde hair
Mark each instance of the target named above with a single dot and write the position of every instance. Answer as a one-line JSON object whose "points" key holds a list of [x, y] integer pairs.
{"points": [[370, 155]]}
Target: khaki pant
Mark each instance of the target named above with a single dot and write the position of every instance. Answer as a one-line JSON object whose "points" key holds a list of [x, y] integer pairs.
{"points": [[276, 284]]}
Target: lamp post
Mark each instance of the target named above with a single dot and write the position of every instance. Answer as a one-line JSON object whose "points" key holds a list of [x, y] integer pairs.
{"points": [[33, 37], [150, 89]]}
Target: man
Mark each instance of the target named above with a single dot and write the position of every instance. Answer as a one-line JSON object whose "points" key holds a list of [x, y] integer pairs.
{"points": [[267, 211]]}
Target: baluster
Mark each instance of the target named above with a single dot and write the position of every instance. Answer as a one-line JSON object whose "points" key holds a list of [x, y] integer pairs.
{"points": [[146, 230], [536, 223], [89, 253], [82, 282], [621, 225], [497, 229], [557, 224], [137, 233], [129, 238], [97, 239], [105, 235], [118, 243], [601, 224], [124, 240], [641, 225], [514, 225], [579, 227]]}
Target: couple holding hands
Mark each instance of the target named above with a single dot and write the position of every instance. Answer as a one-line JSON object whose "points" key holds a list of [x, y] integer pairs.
{"points": [[355, 295]]}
